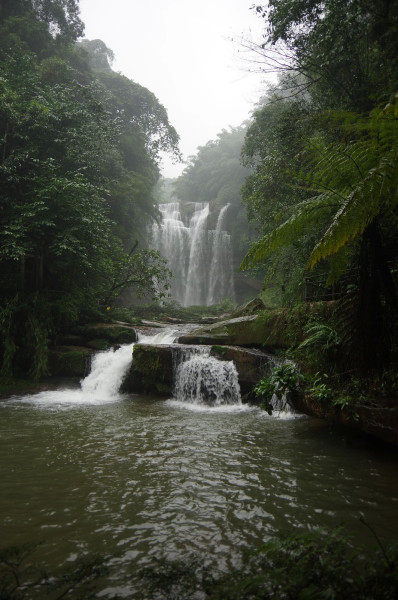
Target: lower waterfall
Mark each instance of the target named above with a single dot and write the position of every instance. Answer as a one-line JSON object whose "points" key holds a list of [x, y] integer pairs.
{"points": [[107, 371], [202, 379], [198, 377]]}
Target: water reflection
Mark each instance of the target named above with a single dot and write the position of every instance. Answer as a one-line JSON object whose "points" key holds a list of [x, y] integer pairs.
{"points": [[139, 478]]}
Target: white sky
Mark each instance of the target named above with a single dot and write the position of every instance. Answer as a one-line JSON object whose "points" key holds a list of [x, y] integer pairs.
{"points": [[181, 50]]}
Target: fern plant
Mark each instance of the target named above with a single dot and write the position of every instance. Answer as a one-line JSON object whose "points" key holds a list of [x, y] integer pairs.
{"points": [[352, 183], [355, 190]]}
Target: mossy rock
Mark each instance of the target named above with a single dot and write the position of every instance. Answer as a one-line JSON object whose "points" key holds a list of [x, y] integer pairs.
{"points": [[271, 329], [151, 371], [73, 361], [113, 333], [99, 344], [250, 363]]}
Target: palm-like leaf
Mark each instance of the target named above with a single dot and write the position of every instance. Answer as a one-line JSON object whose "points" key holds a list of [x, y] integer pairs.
{"points": [[357, 180]]}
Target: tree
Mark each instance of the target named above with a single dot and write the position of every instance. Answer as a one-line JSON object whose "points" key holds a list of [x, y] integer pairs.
{"points": [[346, 51], [338, 189], [75, 168], [353, 204]]}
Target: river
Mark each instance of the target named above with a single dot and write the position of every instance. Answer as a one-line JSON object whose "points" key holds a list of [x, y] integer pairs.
{"points": [[140, 478]]}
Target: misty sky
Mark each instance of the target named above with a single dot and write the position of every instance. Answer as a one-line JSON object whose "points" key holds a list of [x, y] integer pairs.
{"points": [[181, 51]]}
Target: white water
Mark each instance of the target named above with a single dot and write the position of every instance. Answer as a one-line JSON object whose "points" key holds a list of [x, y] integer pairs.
{"points": [[104, 380], [200, 380], [107, 371], [221, 278], [203, 380], [200, 259], [172, 239]]}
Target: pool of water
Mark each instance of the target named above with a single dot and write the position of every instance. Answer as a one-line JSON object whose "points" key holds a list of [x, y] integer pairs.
{"points": [[139, 478]]}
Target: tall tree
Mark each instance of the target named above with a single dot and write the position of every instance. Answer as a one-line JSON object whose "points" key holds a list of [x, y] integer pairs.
{"points": [[66, 182], [341, 184]]}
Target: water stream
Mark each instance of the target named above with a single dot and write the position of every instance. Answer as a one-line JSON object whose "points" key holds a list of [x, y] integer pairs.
{"points": [[199, 258], [138, 478]]}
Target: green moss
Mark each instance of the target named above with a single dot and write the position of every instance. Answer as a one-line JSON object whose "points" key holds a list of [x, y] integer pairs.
{"points": [[99, 344], [147, 362], [69, 362], [162, 388], [220, 350]]}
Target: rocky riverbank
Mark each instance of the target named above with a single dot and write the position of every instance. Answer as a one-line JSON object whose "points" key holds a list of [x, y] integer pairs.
{"points": [[250, 338]]}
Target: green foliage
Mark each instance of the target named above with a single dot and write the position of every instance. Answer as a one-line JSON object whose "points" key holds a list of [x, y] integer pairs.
{"points": [[319, 388], [337, 47], [79, 156], [171, 309], [352, 183], [331, 205], [22, 579], [321, 346], [311, 565], [284, 378], [353, 202]]}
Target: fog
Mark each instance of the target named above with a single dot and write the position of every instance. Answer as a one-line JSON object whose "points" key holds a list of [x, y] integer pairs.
{"points": [[182, 50]]}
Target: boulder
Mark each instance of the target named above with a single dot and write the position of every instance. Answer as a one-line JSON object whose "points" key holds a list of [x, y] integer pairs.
{"points": [[269, 329], [249, 308], [250, 363], [69, 361], [265, 329], [378, 421], [113, 334], [151, 371]]}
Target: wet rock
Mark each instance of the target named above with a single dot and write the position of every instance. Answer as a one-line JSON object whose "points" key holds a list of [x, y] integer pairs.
{"points": [[70, 361], [99, 344], [113, 333], [249, 308], [250, 363], [268, 329], [241, 331], [151, 371], [378, 421]]}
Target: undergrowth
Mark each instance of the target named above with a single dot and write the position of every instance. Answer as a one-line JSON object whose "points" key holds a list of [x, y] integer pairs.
{"points": [[312, 565]]}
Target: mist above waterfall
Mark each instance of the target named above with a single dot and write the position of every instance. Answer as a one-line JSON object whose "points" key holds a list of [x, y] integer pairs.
{"points": [[200, 258]]}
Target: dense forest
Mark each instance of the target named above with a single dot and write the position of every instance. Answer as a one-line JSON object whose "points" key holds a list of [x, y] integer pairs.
{"points": [[311, 178], [323, 146], [172, 453], [79, 156]]}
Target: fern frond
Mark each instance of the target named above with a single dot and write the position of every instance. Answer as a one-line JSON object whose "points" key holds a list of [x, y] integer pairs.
{"points": [[360, 208], [307, 213]]}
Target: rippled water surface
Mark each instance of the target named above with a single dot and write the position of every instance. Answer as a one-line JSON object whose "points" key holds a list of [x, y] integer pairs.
{"points": [[140, 478]]}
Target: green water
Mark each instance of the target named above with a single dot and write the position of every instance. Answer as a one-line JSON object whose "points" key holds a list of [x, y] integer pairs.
{"points": [[139, 478]]}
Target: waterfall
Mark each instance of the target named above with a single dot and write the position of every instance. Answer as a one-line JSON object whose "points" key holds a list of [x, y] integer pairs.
{"points": [[107, 372], [221, 279], [172, 239], [197, 270], [202, 379], [200, 259], [198, 377]]}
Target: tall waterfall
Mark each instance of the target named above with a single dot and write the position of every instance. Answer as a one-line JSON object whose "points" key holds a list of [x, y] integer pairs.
{"points": [[221, 277], [200, 259]]}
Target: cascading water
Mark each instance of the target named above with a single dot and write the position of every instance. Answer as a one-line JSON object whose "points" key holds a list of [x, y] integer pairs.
{"points": [[202, 379], [107, 372], [221, 278], [199, 378], [200, 259], [173, 240]]}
